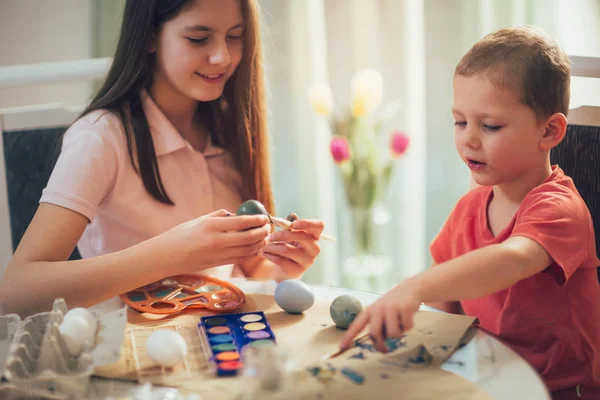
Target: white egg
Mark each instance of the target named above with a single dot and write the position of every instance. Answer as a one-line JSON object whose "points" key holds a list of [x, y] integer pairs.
{"points": [[294, 296], [166, 347], [89, 318], [75, 332]]}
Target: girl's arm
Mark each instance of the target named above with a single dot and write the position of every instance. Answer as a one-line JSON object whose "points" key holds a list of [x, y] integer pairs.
{"points": [[38, 272]]}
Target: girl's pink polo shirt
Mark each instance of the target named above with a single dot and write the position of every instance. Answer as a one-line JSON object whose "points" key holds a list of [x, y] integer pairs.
{"points": [[94, 177]]}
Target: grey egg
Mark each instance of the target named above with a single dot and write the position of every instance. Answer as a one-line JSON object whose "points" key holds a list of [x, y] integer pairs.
{"points": [[251, 207], [294, 296], [344, 309]]}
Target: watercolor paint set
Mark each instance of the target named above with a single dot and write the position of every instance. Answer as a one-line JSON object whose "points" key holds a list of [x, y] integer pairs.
{"points": [[175, 294], [228, 334]]}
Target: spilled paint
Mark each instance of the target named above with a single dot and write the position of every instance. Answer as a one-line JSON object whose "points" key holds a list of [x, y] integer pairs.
{"points": [[359, 356], [322, 373], [353, 375], [367, 346], [422, 358], [394, 344]]}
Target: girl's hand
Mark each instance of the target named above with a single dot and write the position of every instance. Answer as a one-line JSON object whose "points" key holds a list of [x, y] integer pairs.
{"points": [[294, 251], [218, 238], [388, 317]]}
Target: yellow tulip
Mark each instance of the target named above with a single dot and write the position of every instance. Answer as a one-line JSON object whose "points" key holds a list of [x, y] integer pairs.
{"points": [[359, 106], [321, 99], [367, 91]]}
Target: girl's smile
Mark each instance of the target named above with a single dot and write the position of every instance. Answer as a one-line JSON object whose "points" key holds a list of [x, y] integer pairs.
{"points": [[212, 78]]}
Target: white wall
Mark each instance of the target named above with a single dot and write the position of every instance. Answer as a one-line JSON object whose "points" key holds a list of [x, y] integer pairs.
{"points": [[450, 28], [578, 26], [34, 31], [578, 30]]}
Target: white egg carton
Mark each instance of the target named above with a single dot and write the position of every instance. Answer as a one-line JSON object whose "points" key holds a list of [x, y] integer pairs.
{"points": [[34, 356]]}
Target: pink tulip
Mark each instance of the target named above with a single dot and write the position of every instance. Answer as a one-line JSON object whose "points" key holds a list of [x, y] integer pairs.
{"points": [[340, 149], [398, 143]]}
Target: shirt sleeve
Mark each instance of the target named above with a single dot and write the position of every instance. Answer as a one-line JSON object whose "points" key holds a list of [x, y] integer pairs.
{"points": [[560, 223], [440, 247], [85, 171]]}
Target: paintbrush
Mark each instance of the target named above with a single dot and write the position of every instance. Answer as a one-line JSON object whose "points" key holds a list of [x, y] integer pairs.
{"points": [[339, 352], [287, 225]]}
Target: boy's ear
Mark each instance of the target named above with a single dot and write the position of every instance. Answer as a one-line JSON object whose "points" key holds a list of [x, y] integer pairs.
{"points": [[554, 131]]}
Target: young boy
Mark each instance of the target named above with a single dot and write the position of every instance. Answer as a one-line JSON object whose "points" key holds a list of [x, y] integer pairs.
{"points": [[518, 252]]}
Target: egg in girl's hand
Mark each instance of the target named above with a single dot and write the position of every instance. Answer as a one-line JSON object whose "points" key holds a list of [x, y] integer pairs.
{"points": [[166, 347], [251, 207], [294, 296]]}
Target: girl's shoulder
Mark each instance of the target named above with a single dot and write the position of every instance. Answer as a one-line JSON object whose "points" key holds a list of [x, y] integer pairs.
{"points": [[100, 127]]}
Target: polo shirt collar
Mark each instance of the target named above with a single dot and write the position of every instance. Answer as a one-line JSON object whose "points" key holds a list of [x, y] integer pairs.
{"points": [[164, 135]]}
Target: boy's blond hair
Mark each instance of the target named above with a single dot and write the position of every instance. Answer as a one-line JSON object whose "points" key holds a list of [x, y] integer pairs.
{"points": [[525, 60]]}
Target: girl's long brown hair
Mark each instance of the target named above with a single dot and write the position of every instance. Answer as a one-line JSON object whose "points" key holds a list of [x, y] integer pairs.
{"points": [[238, 117]]}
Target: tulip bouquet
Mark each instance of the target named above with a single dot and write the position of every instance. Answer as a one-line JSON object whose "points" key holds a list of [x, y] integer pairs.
{"points": [[356, 147]]}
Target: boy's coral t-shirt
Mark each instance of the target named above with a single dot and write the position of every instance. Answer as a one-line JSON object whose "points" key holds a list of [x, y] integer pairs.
{"points": [[552, 319]]}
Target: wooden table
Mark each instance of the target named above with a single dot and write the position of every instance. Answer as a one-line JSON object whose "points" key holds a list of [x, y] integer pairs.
{"points": [[484, 361]]}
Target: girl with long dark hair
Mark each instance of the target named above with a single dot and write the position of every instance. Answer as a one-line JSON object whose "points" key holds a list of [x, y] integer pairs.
{"points": [[174, 141]]}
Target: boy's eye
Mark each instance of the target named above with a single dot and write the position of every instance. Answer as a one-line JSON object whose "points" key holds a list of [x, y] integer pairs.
{"points": [[459, 123], [492, 128], [235, 37], [197, 41]]}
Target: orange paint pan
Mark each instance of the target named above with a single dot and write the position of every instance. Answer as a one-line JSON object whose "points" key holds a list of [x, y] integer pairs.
{"points": [[177, 293]]}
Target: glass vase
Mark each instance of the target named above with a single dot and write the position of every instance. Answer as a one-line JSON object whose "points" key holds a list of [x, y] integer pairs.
{"points": [[369, 264]]}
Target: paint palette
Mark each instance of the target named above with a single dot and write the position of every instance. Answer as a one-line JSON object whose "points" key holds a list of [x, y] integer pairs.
{"points": [[175, 294], [228, 334]]}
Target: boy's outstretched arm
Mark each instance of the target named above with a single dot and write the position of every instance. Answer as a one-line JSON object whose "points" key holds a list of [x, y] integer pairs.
{"points": [[475, 274], [452, 307]]}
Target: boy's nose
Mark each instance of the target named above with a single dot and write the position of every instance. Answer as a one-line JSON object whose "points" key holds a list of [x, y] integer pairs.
{"points": [[471, 139], [220, 54]]}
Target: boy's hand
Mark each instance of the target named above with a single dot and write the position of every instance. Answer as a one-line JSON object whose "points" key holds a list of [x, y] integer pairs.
{"points": [[388, 317]]}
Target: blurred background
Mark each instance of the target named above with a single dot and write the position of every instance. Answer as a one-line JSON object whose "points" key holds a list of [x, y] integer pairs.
{"points": [[415, 44]]}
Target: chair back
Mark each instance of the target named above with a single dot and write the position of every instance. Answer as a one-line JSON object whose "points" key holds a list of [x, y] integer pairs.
{"points": [[579, 156], [29, 147]]}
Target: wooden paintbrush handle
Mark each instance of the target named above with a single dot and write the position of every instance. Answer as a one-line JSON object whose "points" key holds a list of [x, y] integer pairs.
{"points": [[287, 225], [357, 341]]}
